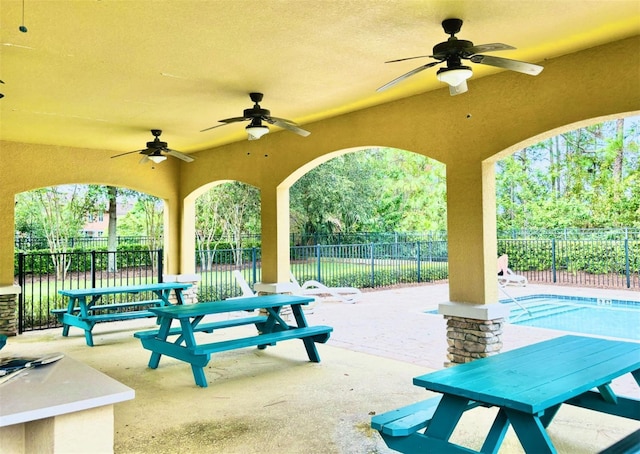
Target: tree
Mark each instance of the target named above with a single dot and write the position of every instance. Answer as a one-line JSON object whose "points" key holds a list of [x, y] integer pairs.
{"points": [[146, 218], [226, 213], [586, 178], [379, 190], [60, 213]]}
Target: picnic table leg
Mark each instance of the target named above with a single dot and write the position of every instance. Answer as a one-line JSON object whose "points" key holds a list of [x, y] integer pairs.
{"points": [[179, 298], [496, 435], [549, 414], [309, 344], [446, 417], [163, 333], [190, 342], [530, 432], [65, 326], [82, 302], [199, 376], [88, 337]]}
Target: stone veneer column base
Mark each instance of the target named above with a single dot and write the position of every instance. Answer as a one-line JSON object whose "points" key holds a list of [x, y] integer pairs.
{"points": [[9, 309], [189, 296], [473, 330]]}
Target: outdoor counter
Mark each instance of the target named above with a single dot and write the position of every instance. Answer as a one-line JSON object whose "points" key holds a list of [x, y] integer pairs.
{"points": [[62, 407]]}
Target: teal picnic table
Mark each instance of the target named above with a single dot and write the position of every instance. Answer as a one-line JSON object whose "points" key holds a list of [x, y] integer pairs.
{"points": [[180, 341], [86, 307], [528, 385]]}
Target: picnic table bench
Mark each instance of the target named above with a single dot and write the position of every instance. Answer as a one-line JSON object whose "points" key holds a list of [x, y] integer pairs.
{"points": [[86, 307], [528, 385], [271, 329]]}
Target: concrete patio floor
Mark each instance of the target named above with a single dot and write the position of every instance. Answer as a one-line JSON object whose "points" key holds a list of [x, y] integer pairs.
{"points": [[274, 400]]}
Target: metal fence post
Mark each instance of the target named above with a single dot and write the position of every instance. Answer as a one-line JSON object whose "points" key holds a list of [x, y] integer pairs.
{"points": [[318, 253], [627, 267], [373, 277], [21, 295], [553, 259], [254, 265], [93, 269], [419, 259], [160, 264]]}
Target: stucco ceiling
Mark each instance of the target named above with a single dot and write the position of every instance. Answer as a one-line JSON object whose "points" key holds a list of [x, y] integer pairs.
{"points": [[102, 73]]}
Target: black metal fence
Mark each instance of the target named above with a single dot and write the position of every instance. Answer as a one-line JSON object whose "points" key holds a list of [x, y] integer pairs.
{"points": [[31, 243], [41, 275], [588, 263]]}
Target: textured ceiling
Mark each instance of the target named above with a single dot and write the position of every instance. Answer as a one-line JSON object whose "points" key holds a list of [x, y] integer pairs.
{"points": [[102, 73]]}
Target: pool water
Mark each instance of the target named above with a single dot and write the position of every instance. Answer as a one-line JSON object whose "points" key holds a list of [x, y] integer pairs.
{"points": [[604, 317]]}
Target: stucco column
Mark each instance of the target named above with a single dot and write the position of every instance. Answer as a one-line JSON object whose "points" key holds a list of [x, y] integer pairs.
{"points": [[172, 236], [179, 243], [8, 292], [7, 232], [188, 236], [274, 218], [474, 317], [471, 225]]}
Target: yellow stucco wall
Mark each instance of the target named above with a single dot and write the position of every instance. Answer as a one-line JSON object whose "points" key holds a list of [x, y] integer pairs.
{"points": [[507, 111]]}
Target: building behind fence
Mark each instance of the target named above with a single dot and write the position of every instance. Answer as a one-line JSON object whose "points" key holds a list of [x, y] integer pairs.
{"points": [[605, 263]]}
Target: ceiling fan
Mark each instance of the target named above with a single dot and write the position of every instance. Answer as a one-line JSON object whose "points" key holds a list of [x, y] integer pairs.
{"points": [[256, 115], [154, 151], [453, 51]]}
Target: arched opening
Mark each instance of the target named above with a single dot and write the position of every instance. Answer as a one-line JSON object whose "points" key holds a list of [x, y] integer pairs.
{"points": [[68, 237]]}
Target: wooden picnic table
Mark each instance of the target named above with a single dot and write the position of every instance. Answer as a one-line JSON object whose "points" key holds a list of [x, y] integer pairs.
{"points": [[272, 328], [85, 306], [528, 385]]}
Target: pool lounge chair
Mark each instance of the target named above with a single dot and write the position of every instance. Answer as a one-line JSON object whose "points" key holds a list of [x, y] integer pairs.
{"points": [[508, 277], [314, 288], [247, 292]]}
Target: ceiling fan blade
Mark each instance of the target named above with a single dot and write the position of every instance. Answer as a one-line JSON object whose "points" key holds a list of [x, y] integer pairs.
{"points": [[128, 152], [407, 75], [177, 154], [408, 58], [272, 120], [234, 120], [493, 47], [287, 124], [226, 121], [513, 65], [458, 89], [214, 127], [144, 160]]}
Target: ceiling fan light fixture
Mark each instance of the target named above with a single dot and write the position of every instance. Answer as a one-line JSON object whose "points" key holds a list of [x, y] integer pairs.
{"points": [[256, 131], [157, 157], [454, 76]]}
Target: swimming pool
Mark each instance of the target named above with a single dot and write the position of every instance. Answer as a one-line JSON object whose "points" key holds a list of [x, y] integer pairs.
{"points": [[599, 316]]}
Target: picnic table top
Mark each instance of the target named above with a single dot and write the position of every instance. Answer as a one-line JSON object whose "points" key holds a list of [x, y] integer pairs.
{"points": [[30, 397], [230, 305], [124, 289], [538, 376]]}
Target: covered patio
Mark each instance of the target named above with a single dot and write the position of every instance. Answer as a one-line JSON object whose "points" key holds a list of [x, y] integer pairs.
{"points": [[90, 79], [276, 401], [44, 140]]}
